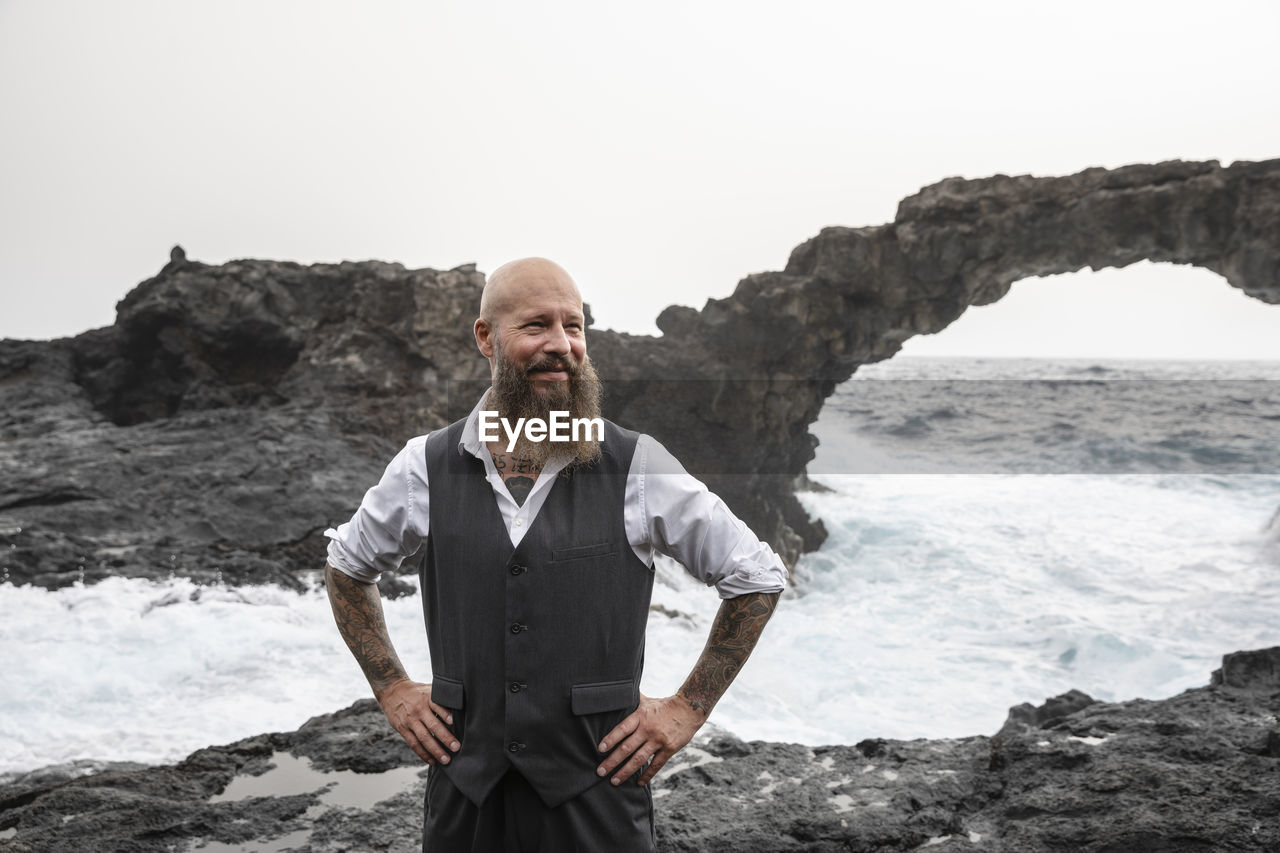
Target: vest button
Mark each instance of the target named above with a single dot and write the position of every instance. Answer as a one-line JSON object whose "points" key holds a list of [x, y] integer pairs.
{"points": [[516, 627], [517, 686], [518, 570], [515, 746]]}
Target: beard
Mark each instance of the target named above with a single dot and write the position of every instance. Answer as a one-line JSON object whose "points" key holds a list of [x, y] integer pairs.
{"points": [[514, 396]]}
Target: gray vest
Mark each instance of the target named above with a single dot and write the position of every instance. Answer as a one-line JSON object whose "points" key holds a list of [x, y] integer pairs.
{"points": [[538, 649]]}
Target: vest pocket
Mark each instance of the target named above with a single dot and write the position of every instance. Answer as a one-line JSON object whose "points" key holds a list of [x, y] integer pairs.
{"points": [[602, 696], [447, 692], [579, 552]]}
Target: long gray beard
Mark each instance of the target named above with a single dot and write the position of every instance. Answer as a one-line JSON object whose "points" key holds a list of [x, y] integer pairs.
{"points": [[513, 396]]}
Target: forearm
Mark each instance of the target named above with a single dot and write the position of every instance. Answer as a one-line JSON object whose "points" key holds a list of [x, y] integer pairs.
{"points": [[733, 635], [357, 608]]}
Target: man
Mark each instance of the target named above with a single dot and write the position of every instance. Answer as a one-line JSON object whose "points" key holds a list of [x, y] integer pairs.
{"points": [[536, 577]]}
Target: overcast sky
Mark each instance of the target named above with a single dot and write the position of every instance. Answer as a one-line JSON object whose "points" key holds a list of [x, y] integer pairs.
{"points": [[660, 151]]}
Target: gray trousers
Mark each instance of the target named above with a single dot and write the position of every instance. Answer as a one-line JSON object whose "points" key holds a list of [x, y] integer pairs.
{"points": [[513, 819]]}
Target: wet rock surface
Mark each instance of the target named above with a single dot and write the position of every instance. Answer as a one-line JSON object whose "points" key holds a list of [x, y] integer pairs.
{"points": [[234, 411], [1196, 772]]}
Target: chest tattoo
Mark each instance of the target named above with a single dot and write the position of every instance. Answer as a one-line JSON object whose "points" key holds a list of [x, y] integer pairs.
{"points": [[518, 474], [519, 487]]}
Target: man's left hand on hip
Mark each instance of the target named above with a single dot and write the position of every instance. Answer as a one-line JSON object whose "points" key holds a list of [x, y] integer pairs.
{"points": [[657, 729]]}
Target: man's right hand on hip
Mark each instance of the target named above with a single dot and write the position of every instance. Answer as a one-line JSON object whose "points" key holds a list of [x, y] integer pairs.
{"points": [[420, 721]]}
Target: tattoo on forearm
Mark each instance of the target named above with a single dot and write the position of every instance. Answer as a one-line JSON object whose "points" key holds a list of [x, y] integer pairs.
{"points": [[357, 608], [733, 635]]}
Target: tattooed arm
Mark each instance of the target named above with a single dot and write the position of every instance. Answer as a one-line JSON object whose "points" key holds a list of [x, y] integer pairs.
{"points": [[357, 608], [659, 728], [733, 636]]}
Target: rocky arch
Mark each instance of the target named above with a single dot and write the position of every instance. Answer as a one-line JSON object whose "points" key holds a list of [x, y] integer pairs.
{"points": [[773, 351]]}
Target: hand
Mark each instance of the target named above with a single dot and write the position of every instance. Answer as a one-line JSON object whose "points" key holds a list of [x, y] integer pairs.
{"points": [[419, 721], [657, 729]]}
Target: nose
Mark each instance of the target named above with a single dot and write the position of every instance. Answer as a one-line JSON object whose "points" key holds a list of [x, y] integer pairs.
{"points": [[557, 342]]}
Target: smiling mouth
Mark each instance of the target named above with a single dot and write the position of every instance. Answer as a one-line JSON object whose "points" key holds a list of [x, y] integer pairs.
{"points": [[558, 371]]}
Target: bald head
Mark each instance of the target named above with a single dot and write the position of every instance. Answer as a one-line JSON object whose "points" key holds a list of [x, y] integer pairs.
{"points": [[517, 282], [532, 309]]}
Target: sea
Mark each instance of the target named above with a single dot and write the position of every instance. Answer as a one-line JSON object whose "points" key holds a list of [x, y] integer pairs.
{"points": [[1000, 531]]}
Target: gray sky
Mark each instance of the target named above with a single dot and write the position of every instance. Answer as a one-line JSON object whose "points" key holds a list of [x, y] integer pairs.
{"points": [[660, 151]]}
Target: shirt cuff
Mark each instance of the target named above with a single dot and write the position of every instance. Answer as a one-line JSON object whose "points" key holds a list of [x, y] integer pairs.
{"points": [[340, 558], [751, 576]]}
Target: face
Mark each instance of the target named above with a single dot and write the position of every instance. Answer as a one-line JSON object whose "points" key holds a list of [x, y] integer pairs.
{"points": [[540, 365], [541, 333]]}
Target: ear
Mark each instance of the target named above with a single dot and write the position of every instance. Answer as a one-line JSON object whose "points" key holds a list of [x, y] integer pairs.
{"points": [[484, 337]]}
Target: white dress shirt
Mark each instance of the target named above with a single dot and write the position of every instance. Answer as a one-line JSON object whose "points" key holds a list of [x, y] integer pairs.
{"points": [[665, 508]]}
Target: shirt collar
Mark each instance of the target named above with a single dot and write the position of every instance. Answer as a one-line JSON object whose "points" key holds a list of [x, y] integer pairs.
{"points": [[469, 442]]}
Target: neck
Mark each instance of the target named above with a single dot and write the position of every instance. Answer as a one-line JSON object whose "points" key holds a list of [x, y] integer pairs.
{"points": [[517, 473]]}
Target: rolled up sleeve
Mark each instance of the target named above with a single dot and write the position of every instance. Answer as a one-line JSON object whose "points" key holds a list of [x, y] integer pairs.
{"points": [[684, 520], [391, 522]]}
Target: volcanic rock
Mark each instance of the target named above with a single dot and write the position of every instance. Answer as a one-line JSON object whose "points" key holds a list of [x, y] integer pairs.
{"points": [[1197, 772]]}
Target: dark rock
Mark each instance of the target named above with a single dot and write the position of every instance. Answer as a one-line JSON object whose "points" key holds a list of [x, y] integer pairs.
{"points": [[1257, 672], [234, 411], [230, 416], [1050, 713], [1197, 772]]}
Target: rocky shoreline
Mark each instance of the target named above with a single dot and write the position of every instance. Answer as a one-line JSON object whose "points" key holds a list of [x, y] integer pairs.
{"points": [[1196, 772]]}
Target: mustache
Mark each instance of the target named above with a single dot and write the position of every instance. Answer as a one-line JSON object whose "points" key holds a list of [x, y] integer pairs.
{"points": [[515, 394], [551, 362]]}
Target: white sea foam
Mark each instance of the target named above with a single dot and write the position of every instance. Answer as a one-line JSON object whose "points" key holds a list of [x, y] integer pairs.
{"points": [[938, 602], [131, 669]]}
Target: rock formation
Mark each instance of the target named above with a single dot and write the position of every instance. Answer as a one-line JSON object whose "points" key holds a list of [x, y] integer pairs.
{"points": [[233, 411], [1196, 772]]}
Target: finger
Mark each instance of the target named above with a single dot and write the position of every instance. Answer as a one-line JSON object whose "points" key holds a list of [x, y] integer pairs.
{"points": [[442, 712], [429, 743], [413, 743], [620, 731], [659, 760], [439, 710], [620, 753], [439, 732], [626, 749], [634, 764]]}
